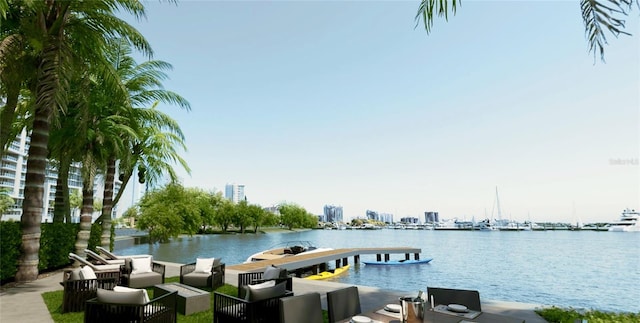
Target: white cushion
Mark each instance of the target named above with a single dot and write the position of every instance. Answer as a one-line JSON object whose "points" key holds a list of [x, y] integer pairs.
{"points": [[122, 289], [258, 294], [204, 265], [269, 283], [87, 273], [141, 265]]}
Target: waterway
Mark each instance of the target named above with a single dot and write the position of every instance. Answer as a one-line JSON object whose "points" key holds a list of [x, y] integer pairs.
{"points": [[585, 269]]}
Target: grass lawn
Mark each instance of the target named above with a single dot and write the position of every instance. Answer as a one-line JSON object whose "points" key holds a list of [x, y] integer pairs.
{"points": [[54, 304]]}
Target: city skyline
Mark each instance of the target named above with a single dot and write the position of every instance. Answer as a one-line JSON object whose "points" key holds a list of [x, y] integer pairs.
{"points": [[351, 103]]}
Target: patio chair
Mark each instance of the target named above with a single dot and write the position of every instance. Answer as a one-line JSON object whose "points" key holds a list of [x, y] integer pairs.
{"points": [[468, 298], [111, 306], [269, 273], [343, 303], [205, 272], [77, 289], [101, 260], [111, 256], [302, 308], [101, 271], [261, 304], [141, 272]]}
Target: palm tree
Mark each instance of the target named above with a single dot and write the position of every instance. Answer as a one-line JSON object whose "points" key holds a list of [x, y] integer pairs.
{"points": [[143, 85], [598, 16], [54, 25]]}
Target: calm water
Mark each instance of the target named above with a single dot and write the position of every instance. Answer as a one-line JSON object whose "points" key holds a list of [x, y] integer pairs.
{"points": [[599, 270]]}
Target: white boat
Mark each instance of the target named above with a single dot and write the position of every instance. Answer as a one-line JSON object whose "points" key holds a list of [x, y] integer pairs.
{"points": [[286, 249], [629, 222]]}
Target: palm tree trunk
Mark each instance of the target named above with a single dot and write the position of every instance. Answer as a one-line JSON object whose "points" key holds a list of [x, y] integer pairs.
{"points": [[107, 203], [32, 206], [62, 207], [82, 240]]}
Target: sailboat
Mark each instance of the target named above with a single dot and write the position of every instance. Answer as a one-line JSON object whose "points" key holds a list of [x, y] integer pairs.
{"points": [[504, 224]]}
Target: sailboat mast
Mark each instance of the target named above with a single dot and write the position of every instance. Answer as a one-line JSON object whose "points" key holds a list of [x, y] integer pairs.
{"points": [[498, 204]]}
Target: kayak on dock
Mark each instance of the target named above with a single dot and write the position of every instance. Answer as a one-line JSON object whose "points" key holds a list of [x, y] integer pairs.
{"points": [[329, 273], [398, 262]]}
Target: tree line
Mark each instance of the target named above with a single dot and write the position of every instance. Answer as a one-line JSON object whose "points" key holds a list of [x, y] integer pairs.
{"points": [[173, 210]]}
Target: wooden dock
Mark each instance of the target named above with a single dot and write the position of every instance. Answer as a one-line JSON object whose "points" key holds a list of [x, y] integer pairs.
{"points": [[318, 260]]}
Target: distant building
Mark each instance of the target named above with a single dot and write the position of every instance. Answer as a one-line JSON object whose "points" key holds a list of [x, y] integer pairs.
{"points": [[13, 169], [409, 219], [431, 217], [272, 209], [332, 213], [234, 192], [382, 217]]}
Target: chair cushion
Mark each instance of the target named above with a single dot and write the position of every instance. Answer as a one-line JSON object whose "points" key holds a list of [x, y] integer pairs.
{"points": [[75, 274], [110, 296], [122, 289], [204, 265], [145, 279], [196, 279], [87, 273], [265, 290], [273, 272], [140, 265], [216, 262]]}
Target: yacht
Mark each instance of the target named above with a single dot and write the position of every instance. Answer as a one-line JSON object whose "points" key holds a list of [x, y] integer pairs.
{"points": [[629, 222], [286, 249]]}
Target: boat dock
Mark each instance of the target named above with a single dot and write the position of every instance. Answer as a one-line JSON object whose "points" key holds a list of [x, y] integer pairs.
{"points": [[318, 260]]}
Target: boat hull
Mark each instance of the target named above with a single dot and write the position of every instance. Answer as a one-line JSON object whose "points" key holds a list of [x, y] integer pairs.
{"points": [[329, 274], [397, 262]]}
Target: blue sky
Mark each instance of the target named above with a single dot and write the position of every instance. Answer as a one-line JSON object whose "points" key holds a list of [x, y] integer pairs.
{"points": [[347, 103]]}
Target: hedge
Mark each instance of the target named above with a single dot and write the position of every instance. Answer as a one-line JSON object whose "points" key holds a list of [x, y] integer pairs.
{"points": [[56, 241]]}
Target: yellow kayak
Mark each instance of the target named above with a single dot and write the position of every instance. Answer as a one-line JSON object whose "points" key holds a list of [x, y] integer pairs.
{"points": [[329, 273]]}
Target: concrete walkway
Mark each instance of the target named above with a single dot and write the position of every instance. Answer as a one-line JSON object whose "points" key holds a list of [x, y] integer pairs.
{"points": [[24, 303]]}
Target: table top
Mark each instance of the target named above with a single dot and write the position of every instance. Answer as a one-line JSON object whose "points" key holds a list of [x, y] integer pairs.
{"points": [[436, 317], [183, 290]]}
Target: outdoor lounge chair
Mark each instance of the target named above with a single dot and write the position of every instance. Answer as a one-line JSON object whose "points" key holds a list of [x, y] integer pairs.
{"points": [[343, 303], [101, 271], [141, 272], [468, 298], [270, 272], [101, 260], [110, 306], [194, 274], [261, 305], [111, 256], [302, 308], [77, 290]]}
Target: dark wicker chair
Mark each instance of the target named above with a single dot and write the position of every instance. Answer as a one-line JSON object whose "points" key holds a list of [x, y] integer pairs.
{"points": [[468, 298], [162, 309], [229, 309], [245, 279], [77, 292], [141, 280], [214, 280]]}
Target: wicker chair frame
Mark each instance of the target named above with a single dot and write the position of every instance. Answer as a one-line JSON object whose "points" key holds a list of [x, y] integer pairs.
{"points": [[162, 309]]}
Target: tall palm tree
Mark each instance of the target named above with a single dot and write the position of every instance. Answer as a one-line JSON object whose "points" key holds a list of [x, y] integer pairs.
{"points": [[598, 16], [143, 85], [54, 25]]}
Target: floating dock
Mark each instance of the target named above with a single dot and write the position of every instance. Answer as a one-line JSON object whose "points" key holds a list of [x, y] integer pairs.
{"points": [[318, 260]]}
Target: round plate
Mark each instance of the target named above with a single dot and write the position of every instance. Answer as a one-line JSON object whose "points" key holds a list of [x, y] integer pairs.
{"points": [[395, 308], [457, 308], [360, 319]]}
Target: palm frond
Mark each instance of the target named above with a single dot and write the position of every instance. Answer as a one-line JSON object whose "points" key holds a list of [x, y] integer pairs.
{"points": [[601, 15], [429, 8]]}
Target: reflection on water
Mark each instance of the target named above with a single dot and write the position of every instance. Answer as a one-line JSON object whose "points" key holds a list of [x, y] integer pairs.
{"points": [[578, 269]]}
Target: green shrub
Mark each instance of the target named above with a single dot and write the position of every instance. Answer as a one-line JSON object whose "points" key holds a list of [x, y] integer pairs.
{"points": [[56, 241], [570, 315], [10, 242]]}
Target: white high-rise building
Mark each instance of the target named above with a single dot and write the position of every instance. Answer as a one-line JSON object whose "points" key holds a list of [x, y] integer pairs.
{"points": [[13, 170], [234, 192]]}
